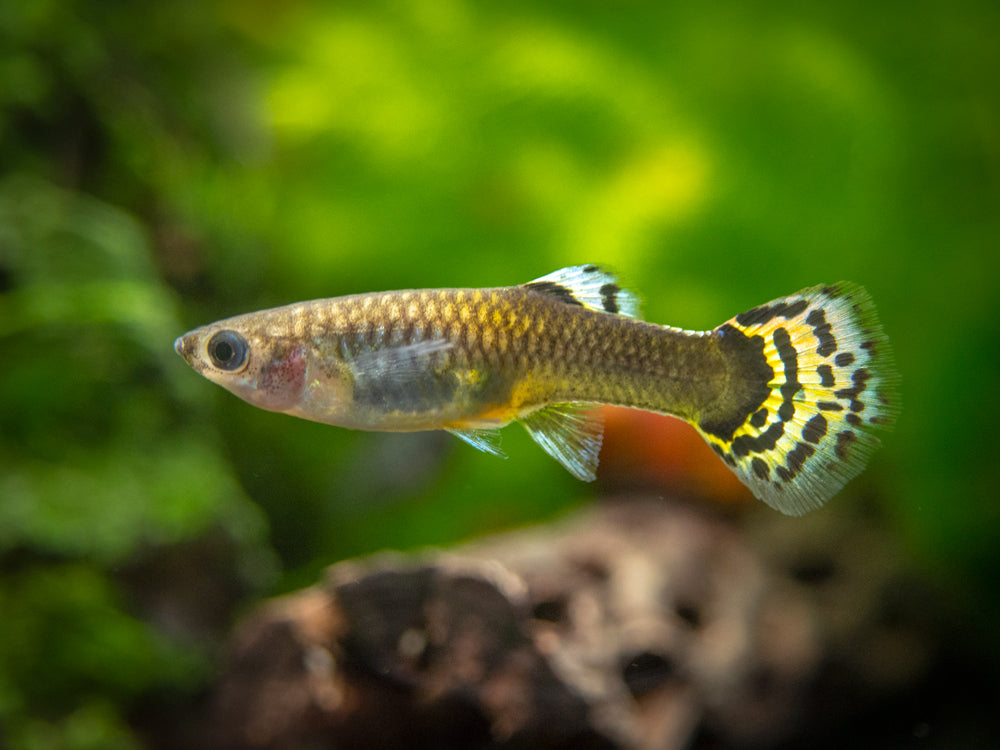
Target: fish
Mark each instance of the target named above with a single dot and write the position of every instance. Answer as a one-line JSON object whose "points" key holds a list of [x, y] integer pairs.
{"points": [[789, 394]]}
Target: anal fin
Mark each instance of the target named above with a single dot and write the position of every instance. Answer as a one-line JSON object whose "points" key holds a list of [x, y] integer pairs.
{"points": [[571, 434]]}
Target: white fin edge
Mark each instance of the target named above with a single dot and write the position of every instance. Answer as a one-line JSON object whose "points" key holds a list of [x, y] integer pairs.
{"points": [[590, 286]]}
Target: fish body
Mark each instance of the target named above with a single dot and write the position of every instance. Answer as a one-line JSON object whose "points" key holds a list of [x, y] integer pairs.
{"points": [[787, 394]]}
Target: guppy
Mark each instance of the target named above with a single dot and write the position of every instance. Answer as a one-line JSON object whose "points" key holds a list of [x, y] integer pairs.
{"points": [[788, 394]]}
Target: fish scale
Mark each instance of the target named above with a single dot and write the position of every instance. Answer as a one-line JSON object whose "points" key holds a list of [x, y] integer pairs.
{"points": [[788, 394]]}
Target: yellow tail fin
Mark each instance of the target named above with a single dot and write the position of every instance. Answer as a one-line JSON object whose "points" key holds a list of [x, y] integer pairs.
{"points": [[832, 384]]}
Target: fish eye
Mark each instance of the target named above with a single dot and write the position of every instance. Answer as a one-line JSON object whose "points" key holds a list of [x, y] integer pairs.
{"points": [[228, 350]]}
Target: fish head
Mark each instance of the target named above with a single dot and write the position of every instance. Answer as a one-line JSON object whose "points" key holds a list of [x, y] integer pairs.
{"points": [[261, 365]]}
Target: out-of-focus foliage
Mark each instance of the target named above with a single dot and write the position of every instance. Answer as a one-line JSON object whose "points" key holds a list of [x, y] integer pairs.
{"points": [[164, 165], [101, 462]]}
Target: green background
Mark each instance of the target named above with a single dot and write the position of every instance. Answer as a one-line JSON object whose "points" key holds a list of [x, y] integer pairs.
{"points": [[164, 165]]}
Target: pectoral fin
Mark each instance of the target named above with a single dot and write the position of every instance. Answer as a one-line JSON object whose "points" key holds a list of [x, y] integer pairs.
{"points": [[403, 362], [571, 434], [403, 377]]}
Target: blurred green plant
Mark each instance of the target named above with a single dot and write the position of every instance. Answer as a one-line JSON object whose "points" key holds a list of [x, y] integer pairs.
{"points": [[101, 461]]}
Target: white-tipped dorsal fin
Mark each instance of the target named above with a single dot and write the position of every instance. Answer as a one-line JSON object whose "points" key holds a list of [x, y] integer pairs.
{"points": [[589, 286], [571, 434]]}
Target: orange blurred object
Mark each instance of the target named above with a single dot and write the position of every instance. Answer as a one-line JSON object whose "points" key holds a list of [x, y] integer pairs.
{"points": [[648, 450]]}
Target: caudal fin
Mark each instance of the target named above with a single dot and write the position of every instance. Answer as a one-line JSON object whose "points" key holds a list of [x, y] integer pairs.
{"points": [[833, 384]]}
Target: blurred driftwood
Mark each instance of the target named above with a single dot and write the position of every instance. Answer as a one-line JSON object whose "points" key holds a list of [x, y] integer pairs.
{"points": [[636, 624]]}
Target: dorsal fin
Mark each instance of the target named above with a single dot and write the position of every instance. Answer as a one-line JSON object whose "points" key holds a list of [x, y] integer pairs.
{"points": [[589, 286]]}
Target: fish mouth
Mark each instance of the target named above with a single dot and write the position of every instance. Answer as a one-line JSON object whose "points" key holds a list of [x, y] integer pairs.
{"points": [[184, 346]]}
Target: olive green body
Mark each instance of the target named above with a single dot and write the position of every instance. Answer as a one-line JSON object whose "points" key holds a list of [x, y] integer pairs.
{"points": [[468, 358]]}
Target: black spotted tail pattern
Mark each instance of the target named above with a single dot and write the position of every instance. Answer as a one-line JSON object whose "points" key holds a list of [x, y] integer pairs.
{"points": [[832, 386]]}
